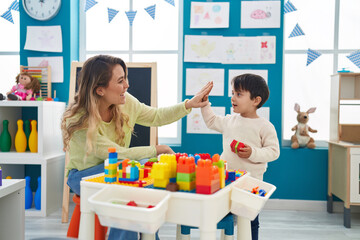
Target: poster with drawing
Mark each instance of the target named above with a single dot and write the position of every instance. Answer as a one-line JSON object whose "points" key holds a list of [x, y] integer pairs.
{"points": [[202, 48], [268, 49], [195, 121], [263, 112], [56, 64], [240, 50], [196, 78], [234, 73], [209, 15], [43, 38], [260, 14]]}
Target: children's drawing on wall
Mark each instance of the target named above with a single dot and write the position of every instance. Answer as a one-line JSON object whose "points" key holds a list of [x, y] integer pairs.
{"points": [[196, 124], [44, 38], [197, 78], [202, 48], [209, 15], [56, 64], [241, 50], [260, 14], [267, 50], [234, 73]]}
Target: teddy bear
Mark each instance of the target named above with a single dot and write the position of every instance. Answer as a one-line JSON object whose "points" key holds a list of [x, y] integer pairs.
{"points": [[301, 137]]}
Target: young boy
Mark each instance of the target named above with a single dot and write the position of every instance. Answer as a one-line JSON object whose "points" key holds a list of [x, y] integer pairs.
{"points": [[249, 92]]}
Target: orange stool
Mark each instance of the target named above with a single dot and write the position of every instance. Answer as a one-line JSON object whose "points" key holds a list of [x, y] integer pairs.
{"points": [[73, 230]]}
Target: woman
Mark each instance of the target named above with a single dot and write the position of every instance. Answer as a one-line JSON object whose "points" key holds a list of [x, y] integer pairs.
{"points": [[103, 115]]}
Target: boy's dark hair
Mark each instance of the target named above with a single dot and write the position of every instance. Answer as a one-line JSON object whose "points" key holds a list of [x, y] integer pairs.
{"points": [[253, 83]]}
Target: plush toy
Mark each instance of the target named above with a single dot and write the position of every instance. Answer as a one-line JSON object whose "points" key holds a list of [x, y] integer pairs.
{"points": [[301, 137], [25, 86]]}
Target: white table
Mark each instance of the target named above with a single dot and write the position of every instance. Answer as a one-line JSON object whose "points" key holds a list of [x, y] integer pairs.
{"points": [[203, 211], [12, 209]]}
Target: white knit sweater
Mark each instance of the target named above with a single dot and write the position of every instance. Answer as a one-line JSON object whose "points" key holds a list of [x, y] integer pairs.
{"points": [[258, 133]]}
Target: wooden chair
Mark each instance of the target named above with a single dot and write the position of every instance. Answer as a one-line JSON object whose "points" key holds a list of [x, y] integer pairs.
{"points": [[134, 68]]}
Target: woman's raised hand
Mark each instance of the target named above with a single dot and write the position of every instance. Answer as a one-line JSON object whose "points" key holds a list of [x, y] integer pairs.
{"points": [[201, 99]]}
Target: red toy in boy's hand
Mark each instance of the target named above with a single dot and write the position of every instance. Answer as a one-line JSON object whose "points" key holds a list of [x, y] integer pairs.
{"points": [[236, 146]]}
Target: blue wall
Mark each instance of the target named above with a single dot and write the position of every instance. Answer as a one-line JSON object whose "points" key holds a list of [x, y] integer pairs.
{"points": [[298, 174], [68, 19]]}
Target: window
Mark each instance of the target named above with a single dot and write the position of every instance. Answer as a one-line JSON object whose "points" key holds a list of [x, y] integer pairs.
{"points": [[148, 40], [9, 47], [331, 27]]}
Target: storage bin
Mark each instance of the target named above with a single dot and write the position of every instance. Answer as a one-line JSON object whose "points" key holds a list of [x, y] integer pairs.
{"points": [[246, 204], [110, 206]]}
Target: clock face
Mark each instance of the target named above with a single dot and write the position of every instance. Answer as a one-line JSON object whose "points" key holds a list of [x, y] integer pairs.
{"points": [[42, 9]]}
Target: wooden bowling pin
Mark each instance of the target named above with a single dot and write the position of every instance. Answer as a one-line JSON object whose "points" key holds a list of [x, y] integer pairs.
{"points": [[33, 138], [5, 137], [20, 137]]}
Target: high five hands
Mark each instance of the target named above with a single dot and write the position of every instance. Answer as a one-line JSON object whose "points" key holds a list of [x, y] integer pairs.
{"points": [[201, 99]]}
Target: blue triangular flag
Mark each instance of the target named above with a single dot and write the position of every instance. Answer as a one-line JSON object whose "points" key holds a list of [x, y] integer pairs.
{"points": [[151, 10], [89, 4], [289, 7], [354, 57], [297, 31], [14, 6], [131, 16], [312, 55], [171, 2], [112, 13], [7, 15]]}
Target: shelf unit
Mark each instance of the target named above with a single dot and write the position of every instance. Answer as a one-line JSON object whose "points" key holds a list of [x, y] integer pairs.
{"points": [[345, 107], [344, 144], [50, 156]]}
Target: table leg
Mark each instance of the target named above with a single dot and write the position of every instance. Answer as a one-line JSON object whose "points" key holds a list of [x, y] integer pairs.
{"points": [[330, 204], [243, 228], [87, 225], [207, 234]]}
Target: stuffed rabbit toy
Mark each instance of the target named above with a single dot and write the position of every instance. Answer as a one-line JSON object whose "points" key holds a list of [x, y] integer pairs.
{"points": [[301, 137]]}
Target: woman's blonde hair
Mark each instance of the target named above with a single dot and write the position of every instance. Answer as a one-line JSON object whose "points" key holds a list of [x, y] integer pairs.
{"points": [[96, 72]]}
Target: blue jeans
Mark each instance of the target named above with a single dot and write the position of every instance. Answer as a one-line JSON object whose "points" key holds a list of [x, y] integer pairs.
{"points": [[73, 182]]}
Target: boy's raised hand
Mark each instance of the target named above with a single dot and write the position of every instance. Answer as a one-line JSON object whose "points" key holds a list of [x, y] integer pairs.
{"points": [[201, 99], [245, 152]]}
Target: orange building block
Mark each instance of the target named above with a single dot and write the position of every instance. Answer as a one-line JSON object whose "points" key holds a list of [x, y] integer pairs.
{"points": [[186, 165]]}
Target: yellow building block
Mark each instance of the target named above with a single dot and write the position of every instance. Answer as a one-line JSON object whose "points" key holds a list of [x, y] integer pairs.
{"points": [[186, 186]]}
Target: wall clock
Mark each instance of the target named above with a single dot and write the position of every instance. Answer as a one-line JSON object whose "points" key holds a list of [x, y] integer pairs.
{"points": [[42, 10]]}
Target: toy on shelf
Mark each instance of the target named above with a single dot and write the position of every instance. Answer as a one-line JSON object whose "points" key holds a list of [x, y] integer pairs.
{"points": [[28, 193], [43, 75], [20, 137], [33, 137], [25, 87], [5, 137], [37, 197], [0, 177]]}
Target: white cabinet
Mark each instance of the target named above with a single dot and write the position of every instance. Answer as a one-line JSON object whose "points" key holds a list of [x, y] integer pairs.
{"points": [[50, 155], [355, 175]]}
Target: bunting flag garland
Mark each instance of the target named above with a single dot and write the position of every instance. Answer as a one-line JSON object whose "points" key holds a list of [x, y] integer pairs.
{"points": [[171, 2], [289, 7], [7, 15], [89, 4], [112, 13], [312, 55], [151, 10], [297, 31], [354, 57], [14, 6], [131, 16]]}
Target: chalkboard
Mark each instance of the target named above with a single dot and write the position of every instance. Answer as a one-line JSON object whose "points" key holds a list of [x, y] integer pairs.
{"points": [[142, 80]]}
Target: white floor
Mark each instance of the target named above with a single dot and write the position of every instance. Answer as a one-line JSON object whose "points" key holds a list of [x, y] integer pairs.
{"points": [[274, 225]]}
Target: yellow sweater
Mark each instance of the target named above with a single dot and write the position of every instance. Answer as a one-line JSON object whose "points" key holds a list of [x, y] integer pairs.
{"points": [[138, 113]]}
